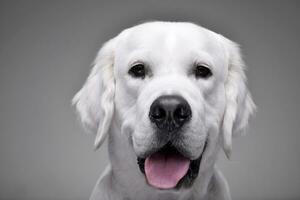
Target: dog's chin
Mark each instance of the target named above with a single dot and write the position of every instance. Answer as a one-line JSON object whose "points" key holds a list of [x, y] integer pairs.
{"points": [[167, 168]]}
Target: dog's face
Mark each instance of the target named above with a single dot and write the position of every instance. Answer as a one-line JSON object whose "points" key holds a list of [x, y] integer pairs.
{"points": [[173, 88]]}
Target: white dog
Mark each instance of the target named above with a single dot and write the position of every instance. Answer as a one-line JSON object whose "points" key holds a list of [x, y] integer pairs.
{"points": [[169, 95]]}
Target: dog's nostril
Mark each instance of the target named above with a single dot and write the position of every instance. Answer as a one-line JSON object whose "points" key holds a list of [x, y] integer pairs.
{"points": [[158, 113], [182, 113], [169, 112]]}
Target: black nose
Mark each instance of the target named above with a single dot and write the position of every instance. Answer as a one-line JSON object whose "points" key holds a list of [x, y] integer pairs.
{"points": [[170, 112]]}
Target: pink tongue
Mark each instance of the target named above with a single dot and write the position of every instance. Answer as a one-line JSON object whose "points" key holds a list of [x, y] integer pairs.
{"points": [[164, 171]]}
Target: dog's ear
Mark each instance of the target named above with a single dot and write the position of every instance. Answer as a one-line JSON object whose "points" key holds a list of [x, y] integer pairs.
{"points": [[94, 102], [239, 103]]}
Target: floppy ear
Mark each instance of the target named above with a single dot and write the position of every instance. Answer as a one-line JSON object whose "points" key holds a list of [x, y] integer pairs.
{"points": [[239, 103], [94, 102]]}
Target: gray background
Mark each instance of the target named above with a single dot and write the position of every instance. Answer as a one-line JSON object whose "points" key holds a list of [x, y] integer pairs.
{"points": [[46, 48]]}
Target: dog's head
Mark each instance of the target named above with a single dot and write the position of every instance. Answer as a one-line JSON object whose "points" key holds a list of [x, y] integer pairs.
{"points": [[177, 91]]}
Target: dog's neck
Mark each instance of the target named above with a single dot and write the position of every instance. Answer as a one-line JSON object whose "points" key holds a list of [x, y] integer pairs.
{"points": [[128, 181]]}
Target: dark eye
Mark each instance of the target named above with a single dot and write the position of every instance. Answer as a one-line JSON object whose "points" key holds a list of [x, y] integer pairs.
{"points": [[202, 72], [138, 71]]}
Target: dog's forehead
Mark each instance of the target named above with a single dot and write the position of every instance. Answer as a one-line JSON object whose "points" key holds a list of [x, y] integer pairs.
{"points": [[169, 36]]}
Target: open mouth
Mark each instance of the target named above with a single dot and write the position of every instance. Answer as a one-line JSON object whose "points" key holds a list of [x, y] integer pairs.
{"points": [[169, 169]]}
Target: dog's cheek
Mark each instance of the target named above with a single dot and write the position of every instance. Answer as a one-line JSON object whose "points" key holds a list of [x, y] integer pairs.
{"points": [[142, 139], [215, 111], [125, 98], [207, 118]]}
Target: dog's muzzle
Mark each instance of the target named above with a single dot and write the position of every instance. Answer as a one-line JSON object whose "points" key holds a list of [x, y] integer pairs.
{"points": [[169, 167]]}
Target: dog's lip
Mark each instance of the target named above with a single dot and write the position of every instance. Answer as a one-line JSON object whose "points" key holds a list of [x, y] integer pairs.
{"points": [[192, 172]]}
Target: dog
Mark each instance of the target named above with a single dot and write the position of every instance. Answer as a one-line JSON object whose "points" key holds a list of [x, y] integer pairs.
{"points": [[170, 96]]}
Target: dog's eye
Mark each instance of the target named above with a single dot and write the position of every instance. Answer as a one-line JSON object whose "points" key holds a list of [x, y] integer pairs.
{"points": [[138, 71], [202, 71]]}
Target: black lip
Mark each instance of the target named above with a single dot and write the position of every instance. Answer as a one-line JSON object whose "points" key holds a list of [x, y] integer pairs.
{"points": [[192, 173]]}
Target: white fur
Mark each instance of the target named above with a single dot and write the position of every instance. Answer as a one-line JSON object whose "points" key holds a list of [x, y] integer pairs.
{"points": [[113, 103]]}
